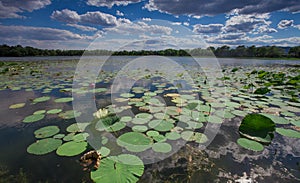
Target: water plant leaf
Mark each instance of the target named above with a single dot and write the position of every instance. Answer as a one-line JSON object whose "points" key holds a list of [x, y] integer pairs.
{"points": [[40, 112], [161, 125], [119, 169], [33, 118], [16, 106], [162, 147], [47, 131], [65, 99], [262, 91], [41, 99], [139, 128], [104, 151], [277, 119], [69, 114], [44, 146], [134, 141], [288, 132], [257, 125], [73, 128], [250, 144], [54, 111], [173, 135], [71, 148]]}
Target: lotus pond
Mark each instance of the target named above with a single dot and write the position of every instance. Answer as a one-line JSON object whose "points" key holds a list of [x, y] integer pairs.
{"points": [[242, 123]]}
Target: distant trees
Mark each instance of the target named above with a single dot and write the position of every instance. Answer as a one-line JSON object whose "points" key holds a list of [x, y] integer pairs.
{"points": [[223, 51]]}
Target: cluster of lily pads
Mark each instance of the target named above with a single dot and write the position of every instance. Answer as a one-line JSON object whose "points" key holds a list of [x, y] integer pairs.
{"points": [[266, 101]]}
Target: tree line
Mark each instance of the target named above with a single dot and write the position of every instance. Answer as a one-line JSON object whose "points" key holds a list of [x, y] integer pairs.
{"points": [[223, 51]]}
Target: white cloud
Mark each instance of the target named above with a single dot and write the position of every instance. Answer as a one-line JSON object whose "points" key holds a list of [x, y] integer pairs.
{"points": [[283, 24], [207, 29], [186, 23], [138, 28], [297, 26], [97, 17], [110, 3], [119, 13], [11, 9], [81, 27], [250, 23], [146, 19], [214, 7]]}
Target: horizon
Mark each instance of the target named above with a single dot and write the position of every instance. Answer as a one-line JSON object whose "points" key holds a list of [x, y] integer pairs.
{"points": [[148, 24]]}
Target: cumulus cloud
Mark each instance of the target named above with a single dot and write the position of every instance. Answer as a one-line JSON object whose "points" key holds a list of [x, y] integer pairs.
{"points": [[82, 27], [36, 33], [214, 7], [207, 29], [138, 28], [283, 24], [11, 9], [248, 23], [97, 17], [119, 13], [110, 3]]}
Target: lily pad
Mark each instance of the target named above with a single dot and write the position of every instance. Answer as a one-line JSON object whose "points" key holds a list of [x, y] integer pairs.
{"points": [[33, 118], [134, 141], [119, 169], [69, 114], [62, 100], [288, 132], [44, 146], [139, 128], [40, 112], [250, 144], [41, 99], [104, 151], [54, 111], [16, 106], [257, 125], [71, 148], [73, 128], [47, 131], [173, 135], [162, 147], [161, 125]]}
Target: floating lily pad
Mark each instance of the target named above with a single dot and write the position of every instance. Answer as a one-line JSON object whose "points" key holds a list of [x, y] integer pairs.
{"points": [[33, 118], [139, 128], [134, 141], [250, 144], [126, 119], [47, 131], [41, 99], [119, 169], [152, 133], [69, 137], [54, 111], [40, 112], [161, 125], [277, 119], [71, 148], [104, 151], [59, 136], [73, 128], [262, 91], [296, 123], [16, 106], [116, 127], [61, 100], [162, 147], [257, 125], [127, 95], [80, 137], [288, 132], [173, 135], [69, 114], [44, 146]]}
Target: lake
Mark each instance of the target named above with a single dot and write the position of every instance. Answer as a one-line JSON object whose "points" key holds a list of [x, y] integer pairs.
{"points": [[162, 119]]}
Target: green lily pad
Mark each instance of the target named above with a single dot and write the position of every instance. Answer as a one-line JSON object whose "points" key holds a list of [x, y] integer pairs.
{"points": [[47, 131], [59, 136], [116, 127], [288, 132], [127, 95], [250, 144], [62, 100], [80, 137], [257, 125], [134, 141], [173, 135], [126, 119], [119, 169], [104, 151], [54, 111], [16, 106], [162, 147], [69, 114], [69, 137], [296, 123], [41, 99], [33, 118], [71, 148], [262, 91], [139, 128], [277, 119], [73, 128], [40, 112], [152, 133], [44, 146], [161, 125]]}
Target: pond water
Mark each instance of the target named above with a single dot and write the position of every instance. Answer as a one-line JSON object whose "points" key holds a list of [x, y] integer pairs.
{"points": [[182, 120]]}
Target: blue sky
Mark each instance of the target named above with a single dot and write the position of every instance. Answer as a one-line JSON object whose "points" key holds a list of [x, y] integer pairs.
{"points": [[149, 24]]}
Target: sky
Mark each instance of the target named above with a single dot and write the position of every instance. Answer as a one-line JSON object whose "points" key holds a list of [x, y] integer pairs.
{"points": [[149, 24]]}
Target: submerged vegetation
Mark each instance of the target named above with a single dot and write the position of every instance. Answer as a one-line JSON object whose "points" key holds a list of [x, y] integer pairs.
{"points": [[260, 104], [223, 51]]}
